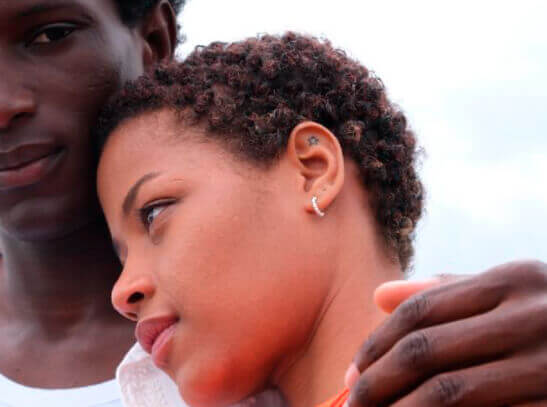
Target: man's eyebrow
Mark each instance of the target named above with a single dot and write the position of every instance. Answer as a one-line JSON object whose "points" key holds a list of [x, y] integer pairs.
{"points": [[42, 8], [131, 196]]}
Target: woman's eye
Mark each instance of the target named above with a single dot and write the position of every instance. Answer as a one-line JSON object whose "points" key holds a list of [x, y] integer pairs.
{"points": [[150, 213], [53, 34]]}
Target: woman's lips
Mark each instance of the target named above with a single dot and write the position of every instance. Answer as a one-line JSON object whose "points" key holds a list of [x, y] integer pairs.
{"points": [[154, 334], [27, 164]]}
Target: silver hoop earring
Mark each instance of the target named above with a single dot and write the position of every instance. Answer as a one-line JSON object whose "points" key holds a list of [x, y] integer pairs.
{"points": [[318, 211]]}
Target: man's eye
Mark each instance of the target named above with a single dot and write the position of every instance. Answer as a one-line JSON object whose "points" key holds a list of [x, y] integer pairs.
{"points": [[52, 34]]}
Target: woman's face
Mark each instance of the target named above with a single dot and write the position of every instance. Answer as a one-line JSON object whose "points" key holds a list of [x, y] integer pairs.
{"points": [[222, 267]]}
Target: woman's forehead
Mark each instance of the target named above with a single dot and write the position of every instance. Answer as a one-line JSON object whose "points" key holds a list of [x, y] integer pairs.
{"points": [[160, 141], [150, 140]]}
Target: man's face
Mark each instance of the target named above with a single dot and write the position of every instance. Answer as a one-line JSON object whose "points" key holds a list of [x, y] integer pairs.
{"points": [[59, 62]]}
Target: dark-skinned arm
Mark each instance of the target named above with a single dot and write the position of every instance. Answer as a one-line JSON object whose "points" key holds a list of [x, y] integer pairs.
{"points": [[468, 341]]}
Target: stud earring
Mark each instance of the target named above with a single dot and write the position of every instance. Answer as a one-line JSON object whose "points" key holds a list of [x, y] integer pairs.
{"points": [[318, 211], [313, 141]]}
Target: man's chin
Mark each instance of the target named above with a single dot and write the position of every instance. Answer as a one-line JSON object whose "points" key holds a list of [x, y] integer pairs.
{"points": [[43, 228]]}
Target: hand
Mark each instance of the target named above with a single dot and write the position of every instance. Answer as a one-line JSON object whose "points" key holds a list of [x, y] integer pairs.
{"points": [[471, 341]]}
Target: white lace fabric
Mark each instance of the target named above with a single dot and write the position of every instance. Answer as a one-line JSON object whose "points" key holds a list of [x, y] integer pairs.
{"points": [[142, 384]]}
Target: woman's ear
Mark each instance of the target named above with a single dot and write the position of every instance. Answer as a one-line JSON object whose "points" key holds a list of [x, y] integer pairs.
{"points": [[319, 158], [158, 29]]}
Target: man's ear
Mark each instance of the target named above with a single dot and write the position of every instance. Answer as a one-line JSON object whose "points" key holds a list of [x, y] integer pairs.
{"points": [[319, 158], [159, 32]]}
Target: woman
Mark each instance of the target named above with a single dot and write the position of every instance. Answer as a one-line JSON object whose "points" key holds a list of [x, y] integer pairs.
{"points": [[270, 177], [256, 194]]}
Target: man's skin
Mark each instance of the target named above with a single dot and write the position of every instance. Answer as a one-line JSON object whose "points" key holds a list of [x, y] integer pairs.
{"points": [[58, 327], [470, 341]]}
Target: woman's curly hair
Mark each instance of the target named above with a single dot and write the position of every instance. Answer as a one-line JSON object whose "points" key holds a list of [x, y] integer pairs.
{"points": [[251, 94]]}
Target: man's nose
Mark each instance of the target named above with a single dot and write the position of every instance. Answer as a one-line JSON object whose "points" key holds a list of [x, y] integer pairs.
{"points": [[15, 103]]}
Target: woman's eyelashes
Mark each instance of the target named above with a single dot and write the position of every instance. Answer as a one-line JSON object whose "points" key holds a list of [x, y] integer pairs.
{"points": [[51, 33]]}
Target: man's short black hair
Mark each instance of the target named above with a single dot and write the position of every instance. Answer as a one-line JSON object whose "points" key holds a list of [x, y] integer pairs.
{"points": [[133, 10]]}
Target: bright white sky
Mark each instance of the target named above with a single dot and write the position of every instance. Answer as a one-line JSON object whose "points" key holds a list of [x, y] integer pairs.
{"points": [[471, 77]]}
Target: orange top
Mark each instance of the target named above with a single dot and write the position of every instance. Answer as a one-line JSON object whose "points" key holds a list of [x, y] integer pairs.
{"points": [[337, 401]]}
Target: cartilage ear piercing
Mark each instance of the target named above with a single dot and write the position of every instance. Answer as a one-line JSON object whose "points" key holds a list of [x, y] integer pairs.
{"points": [[318, 211], [313, 141]]}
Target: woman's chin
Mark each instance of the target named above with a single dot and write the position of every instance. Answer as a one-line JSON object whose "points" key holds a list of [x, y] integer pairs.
{"points": [[207, 388]]}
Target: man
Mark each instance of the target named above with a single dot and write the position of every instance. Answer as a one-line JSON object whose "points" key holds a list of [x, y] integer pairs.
{"points": [[60, 60]]}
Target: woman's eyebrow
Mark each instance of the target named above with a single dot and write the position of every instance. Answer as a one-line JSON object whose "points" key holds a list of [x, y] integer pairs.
{"points": [[131, 195]]}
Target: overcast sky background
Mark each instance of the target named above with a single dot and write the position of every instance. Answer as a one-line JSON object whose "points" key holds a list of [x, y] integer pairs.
{"points": [[472, 79]]}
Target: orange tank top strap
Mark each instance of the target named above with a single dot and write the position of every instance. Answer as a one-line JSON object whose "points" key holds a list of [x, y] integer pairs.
{"points": [[337, 401]]}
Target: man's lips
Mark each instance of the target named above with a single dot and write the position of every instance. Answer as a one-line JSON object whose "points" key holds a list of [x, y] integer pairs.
{"points": [[28, 164], [25, 155], [153, 333]]}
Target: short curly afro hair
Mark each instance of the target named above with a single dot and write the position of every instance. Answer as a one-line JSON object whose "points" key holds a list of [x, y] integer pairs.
{"points": [[251, 94], [132, 11]]}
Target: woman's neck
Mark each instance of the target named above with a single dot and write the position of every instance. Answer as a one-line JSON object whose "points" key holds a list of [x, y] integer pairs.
{"points": [[348, 316]]}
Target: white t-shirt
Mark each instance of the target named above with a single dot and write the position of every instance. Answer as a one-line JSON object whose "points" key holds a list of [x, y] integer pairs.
{"points": [[14, 394], [139, 384]]}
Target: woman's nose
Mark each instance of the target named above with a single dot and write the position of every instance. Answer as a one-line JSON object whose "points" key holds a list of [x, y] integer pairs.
{"points": [[129, 295]]}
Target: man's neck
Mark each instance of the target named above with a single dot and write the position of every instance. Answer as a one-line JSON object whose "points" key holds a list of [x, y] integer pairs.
{"points": [[62, 281], [348, 316], [55, 308]]}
